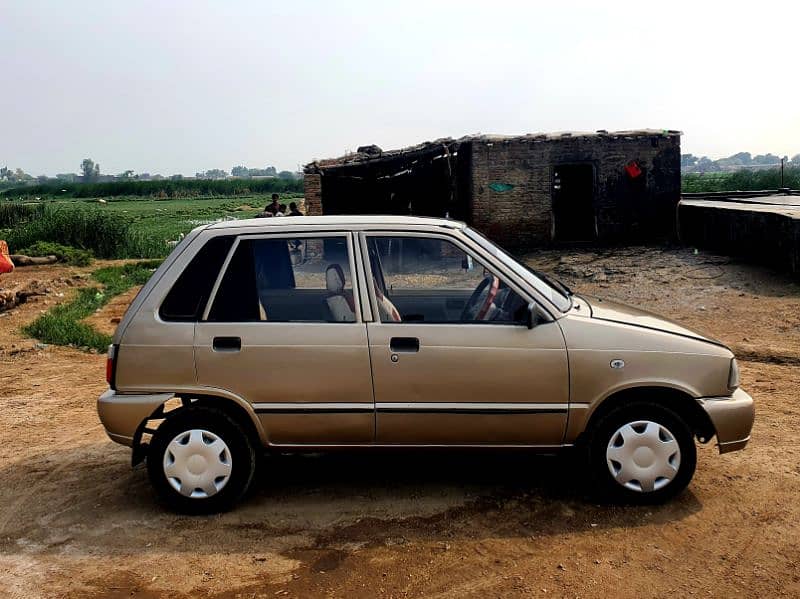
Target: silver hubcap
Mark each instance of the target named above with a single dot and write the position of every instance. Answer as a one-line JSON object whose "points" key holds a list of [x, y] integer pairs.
{"points": [[643, 456], [197, 463]]}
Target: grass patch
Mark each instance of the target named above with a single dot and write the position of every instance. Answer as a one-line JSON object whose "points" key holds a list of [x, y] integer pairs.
{"points": [[64, 253], [62, 324]]}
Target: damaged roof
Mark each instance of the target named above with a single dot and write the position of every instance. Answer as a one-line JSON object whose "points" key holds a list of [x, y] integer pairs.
{"points": [[373, 153]]}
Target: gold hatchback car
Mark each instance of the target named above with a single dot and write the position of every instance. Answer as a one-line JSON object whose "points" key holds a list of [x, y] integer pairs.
{"points": [[315, 333]]}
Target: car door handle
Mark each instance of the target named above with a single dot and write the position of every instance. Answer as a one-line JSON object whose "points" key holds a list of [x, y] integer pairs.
{"points": [[227, 343], [404, 344]]}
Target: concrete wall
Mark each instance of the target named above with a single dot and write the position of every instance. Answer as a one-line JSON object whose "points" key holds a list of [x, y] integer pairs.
{"points": [[522, 217], [767, 234]]}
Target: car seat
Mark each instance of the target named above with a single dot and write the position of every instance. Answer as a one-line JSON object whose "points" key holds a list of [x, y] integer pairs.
{"points": [[339, 302]]}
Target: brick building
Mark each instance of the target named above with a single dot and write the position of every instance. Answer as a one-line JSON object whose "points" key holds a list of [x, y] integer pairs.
{"points": [[521, 191]]}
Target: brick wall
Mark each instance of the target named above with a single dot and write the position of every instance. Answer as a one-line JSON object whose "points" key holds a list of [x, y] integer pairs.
{"points": [[523, 216], [312, 188]]}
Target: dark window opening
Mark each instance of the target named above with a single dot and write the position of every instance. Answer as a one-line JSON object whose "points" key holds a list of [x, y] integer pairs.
{"points": [[237, 298], [188, 296], [573, 202]]}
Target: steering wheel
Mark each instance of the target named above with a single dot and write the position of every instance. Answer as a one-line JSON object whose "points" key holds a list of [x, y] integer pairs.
{"points": [[481, 299]]}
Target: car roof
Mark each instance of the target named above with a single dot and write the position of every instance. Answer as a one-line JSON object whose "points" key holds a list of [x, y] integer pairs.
{"points": [[360, 221]]}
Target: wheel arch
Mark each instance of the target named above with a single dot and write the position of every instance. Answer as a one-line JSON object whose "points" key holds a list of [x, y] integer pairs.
{"points": [[679, 401], [239, 410]]}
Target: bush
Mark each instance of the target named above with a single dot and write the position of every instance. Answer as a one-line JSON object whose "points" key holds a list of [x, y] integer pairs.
{"points": [[64, 253], [107, 235]]}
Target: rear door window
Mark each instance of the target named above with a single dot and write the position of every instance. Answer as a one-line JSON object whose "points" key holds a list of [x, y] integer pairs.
{"points": [[298, 279]]}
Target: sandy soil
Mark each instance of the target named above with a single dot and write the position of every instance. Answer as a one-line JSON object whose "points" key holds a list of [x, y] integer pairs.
{"points": [[75, 520]]}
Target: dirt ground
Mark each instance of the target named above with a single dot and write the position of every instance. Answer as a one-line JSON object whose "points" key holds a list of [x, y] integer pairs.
{"points": [[76, 520]]}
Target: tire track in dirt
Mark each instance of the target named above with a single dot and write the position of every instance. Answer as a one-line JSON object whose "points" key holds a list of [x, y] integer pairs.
{"points": [[765, 356]]}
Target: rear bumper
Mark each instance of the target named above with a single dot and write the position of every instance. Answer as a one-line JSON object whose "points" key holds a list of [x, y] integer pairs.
{"points": [[121, 413], [732, 417]]}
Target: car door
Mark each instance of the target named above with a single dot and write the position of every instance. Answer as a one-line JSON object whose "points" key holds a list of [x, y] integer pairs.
{"points": [[480, 377], [283, 331]]}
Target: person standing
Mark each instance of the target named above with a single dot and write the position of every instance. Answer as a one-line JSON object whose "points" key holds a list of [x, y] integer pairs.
{"points": [[293, 211], [275, 206]]}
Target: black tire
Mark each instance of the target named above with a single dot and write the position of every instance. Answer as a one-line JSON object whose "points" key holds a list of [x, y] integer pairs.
{"points": [[242, 460], [604, 485]]}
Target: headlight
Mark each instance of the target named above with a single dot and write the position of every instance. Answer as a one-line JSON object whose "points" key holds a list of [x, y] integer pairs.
{"points": [[733, 375]]}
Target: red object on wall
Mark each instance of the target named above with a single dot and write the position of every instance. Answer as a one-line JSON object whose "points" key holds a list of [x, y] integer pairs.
{"points": [[6, 265], [633, 170]]}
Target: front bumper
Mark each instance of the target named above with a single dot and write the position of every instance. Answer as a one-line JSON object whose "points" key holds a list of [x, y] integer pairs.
{"points": [[122, 413], [732, 417]]}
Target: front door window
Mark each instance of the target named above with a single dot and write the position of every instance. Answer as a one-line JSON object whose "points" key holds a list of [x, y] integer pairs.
{"points": [[432, 280]]}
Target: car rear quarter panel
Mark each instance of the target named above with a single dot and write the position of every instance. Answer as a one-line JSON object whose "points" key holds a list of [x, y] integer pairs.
{"points": [[154, 355]]}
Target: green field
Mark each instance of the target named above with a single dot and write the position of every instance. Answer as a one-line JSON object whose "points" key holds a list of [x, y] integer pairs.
{"points": [[166, 219], [743, 180]]}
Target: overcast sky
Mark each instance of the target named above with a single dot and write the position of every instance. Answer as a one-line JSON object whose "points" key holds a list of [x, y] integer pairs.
{"points": [[181, 86]]}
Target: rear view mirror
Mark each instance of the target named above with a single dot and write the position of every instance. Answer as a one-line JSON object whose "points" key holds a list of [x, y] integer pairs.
{"points": [[531, 316]]}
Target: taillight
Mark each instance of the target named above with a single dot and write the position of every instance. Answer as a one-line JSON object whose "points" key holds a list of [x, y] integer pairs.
{"points": [[112, 352]]}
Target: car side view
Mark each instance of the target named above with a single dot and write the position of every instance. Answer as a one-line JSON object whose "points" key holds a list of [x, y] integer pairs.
{"points": [[317, 333]]}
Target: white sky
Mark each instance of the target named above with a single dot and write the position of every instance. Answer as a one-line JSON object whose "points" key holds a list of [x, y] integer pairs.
{"points": [[181, 86]]}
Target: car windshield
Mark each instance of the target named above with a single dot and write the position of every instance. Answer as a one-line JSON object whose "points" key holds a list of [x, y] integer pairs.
{"points": [[553, 289]]}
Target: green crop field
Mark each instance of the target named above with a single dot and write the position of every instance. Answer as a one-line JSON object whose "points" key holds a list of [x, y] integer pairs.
{"points": [[166, 219]]}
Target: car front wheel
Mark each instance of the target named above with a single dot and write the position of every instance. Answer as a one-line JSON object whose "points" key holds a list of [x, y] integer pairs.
{"points": [[641, 453], [200, 461]]}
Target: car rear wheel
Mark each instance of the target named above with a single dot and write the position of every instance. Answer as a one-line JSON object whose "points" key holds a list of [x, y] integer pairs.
{"points": [[641, 453], [200, 461]]}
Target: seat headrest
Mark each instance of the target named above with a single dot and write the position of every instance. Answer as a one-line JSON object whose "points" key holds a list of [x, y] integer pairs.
{"points": [[334, 278]]}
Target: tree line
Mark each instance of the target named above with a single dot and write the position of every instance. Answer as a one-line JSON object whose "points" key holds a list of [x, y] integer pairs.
{"points": [[89, 172], [739, 161]]}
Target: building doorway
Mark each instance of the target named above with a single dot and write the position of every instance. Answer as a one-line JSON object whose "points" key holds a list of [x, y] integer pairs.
{"points": [[573, 203]]}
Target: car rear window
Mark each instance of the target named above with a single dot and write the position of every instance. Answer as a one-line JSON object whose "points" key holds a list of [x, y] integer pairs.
{"points": [[188, 296]]}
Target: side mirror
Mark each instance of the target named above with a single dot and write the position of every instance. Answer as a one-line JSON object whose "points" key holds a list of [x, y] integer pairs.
{"points": [[531, 316]]}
